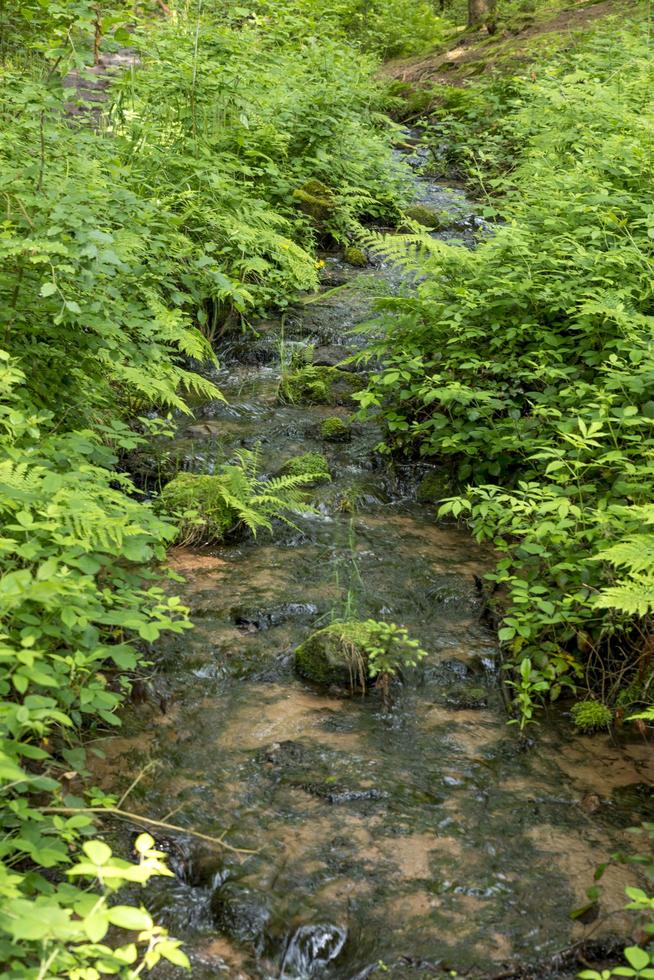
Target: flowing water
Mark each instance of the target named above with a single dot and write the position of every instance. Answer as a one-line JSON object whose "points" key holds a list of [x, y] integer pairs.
{"points": [[412, 841]]}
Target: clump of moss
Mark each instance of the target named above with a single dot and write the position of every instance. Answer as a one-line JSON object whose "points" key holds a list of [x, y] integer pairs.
{"points": [[318, 385], [308, 464], [355, 256], [590, 716], [335, 429], [315, 199], [198, 505], [423, 215]]}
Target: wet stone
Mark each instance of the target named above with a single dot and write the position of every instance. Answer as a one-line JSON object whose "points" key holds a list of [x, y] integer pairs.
{"points": [[465, 698], [255, 619], [240, 913], [310, 949]]}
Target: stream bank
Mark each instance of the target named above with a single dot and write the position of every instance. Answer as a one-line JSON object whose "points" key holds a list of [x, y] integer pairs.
{"points": [[416, 841]]}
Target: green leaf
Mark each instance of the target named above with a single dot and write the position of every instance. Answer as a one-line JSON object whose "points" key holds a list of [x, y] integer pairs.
{"points": [[98, 852], [129, 917], [637, 957]]}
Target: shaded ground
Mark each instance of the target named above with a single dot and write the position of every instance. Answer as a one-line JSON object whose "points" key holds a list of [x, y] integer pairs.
{"points": [[513, 47]]}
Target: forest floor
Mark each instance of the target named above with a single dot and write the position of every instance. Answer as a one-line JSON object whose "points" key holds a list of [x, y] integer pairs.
{"points": [[522, 40]]}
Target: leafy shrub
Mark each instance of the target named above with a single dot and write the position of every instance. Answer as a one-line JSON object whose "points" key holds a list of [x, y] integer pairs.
{"points": [[526, 368], [385, 27], [78, 598], [641, 961]]}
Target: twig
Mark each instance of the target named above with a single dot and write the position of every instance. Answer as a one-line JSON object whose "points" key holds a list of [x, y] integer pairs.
{"points": [[115, 811], [135, 783]]}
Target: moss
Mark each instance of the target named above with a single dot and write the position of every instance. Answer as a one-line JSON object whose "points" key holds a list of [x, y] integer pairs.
{"points": [[315, 199], [423, 215], [335, 429], [197, 504], [355, 256], [432, 488], [309, 464], [318, 385], [336, 654], [589, 716]]}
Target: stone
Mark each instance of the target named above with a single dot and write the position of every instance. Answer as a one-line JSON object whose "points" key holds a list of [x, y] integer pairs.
{"points": [[336, 655], [433, 487], [335, 429], [315, 200], [423, 215], [355, 256], [318, 385], [308, 464]]}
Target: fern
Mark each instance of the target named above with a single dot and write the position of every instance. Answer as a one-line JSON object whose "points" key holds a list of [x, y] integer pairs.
{"points": [[634, 596], [207, 508]]}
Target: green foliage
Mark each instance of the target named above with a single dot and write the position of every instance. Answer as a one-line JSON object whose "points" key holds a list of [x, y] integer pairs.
{"points": [[640, 961], [78, 599], [60, 932], [126, 242], [389, 649], [335, 429], [206, 508], [385, 27], [526, 369], [314, 466], [589, 716], [355, 651]]}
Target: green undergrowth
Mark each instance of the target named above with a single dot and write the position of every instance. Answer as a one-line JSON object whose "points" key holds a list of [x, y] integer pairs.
{"points": [[353, 653], [207, 508], [127, 242], [525, 369]]}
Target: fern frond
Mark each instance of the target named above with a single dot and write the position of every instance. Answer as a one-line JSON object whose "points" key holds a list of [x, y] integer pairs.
{"points": [[635, 553], [634, 597]]}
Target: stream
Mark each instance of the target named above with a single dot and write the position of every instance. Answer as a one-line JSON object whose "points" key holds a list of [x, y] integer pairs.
{"points": [[425, 839]]}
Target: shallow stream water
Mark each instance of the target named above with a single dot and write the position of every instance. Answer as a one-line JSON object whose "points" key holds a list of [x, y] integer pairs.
{"points": [[406, 842]]}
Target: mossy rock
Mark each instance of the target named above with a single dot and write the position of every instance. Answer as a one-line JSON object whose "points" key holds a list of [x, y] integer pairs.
{"points": [[318, 385], [462, 698], [316, 200], [424, 216], [432, 488], [204, 497], [336, 655], [335, 429], [308, 464], [355, 256]]}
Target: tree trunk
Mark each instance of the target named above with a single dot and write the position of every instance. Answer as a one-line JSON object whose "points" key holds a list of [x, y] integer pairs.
{"points": [[481, 12]]}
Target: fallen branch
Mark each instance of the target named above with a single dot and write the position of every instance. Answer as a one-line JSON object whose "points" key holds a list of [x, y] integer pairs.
{"points": [[150, 822]]}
